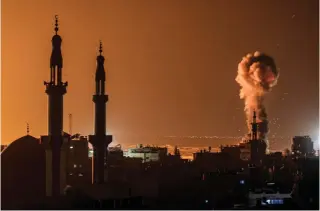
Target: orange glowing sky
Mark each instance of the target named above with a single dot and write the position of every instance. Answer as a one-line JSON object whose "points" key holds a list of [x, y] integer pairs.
{"points": [[171, 66]]}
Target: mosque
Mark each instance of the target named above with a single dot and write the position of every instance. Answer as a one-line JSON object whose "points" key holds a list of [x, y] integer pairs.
{"points": [[35, 169]]}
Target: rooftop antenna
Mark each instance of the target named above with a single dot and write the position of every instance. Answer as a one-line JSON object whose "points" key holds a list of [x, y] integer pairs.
{"points": [[70, 124]]}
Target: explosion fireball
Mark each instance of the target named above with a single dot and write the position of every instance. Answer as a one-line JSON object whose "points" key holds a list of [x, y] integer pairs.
{"points": [[257, 74]]}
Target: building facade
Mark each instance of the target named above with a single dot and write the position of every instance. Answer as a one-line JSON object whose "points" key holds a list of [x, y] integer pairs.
{"points": [[147, 153], [79, 165]]}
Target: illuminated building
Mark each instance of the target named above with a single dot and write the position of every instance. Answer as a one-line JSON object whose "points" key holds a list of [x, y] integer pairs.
{"points": [[147, 153], [302, 146], [112, 151], [267, 197]]}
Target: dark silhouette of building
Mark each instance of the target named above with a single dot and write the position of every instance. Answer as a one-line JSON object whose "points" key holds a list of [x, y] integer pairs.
{"points": [[79, 166], [254, 147], [257, 146], [55, 147], [245, 151], [306, 188], [100, 140], [302, 146], [212, 161], [257, 150], [115, 153], [233, 151], [22, 173]]}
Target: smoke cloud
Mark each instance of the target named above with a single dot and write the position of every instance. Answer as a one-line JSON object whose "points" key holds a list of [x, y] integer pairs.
{"points": [[257, 74]]}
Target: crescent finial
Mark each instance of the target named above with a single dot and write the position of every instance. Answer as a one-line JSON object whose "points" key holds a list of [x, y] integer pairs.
{"points": [[56, 28]]}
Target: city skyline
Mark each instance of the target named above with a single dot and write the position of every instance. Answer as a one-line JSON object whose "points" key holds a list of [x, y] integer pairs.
{"points": [[142, 84]]}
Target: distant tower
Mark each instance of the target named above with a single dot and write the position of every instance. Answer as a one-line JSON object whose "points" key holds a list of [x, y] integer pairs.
{"points": [[176, 151], [257, 146], [100, 140], [254, 125], [55, 89]]}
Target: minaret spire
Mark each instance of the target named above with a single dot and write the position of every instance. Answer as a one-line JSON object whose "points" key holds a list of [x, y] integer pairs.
{"points": [[100, 48], [28, 129], [100, 73], [100, 140], [56, 28]]}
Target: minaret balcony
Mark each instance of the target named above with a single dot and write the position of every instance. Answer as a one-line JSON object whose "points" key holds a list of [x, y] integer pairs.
{"points": [[100, 98]]}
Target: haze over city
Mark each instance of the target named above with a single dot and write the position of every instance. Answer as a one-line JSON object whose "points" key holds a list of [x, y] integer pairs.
{"points": [[160, 105], [170, 68]]}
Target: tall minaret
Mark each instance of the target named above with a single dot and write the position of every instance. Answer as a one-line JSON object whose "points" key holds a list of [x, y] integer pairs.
{"points": [[100, 140], [254, 129], [55, 89]]}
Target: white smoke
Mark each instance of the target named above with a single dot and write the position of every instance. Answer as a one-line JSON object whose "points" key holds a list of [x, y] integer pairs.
{"points": [[257, 74]]}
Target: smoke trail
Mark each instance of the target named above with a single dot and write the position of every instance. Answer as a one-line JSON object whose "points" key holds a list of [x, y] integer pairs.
{"points": [[257, 74]]}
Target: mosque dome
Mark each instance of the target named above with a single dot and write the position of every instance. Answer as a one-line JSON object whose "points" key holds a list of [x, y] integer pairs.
{"points": [[22, 172]]}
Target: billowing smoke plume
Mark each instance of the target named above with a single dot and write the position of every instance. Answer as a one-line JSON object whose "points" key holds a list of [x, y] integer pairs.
{"points": [[257, 74]]}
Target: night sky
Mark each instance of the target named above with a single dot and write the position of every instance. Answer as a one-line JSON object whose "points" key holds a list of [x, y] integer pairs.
{"points": [[171, 67]]}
